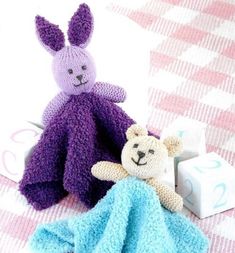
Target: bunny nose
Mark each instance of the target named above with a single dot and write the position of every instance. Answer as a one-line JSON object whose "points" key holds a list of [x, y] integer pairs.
{"points": [[79, 77], [140, 154]]}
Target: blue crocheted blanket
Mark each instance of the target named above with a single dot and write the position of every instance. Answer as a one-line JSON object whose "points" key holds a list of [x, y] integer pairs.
{"points": [[129, 219]]}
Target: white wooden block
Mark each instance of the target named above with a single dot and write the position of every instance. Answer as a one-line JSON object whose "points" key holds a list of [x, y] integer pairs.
{"points": [[17, 140], [207, 184], [169, 175], [192, 133]]}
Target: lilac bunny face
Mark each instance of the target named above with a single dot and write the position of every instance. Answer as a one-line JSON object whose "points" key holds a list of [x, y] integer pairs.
{"points": [[74, 70], [73, 67]]}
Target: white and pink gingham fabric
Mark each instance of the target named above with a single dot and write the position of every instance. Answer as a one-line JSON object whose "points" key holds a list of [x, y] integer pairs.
{"points": [[192, 68], [192, 74]]}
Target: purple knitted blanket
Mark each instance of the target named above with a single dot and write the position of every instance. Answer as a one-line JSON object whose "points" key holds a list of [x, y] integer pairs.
{"points": [[88, 129]]}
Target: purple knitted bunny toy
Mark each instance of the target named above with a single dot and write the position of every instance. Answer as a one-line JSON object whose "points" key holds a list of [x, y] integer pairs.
{"points": [[73, 66], [83, 125]]}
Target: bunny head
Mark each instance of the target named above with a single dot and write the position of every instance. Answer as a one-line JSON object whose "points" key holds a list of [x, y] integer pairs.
{"points": [[73, 67]]}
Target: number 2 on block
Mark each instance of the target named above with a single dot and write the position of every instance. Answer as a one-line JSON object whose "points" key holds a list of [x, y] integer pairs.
{"points": [[181, 133], [188, 197], [221, 190], [202, 169]]}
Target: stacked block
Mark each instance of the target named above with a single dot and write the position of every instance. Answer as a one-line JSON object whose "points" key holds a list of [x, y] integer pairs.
{"points": [[207, 184], [17, 140], [192, 133], [169, 176]]}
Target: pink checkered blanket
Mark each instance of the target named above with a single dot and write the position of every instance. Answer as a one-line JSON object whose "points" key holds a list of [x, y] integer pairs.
{"points": [[193, 51]]}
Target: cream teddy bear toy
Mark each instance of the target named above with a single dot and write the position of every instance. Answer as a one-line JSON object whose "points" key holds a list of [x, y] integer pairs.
{"points": [[144, 157]]}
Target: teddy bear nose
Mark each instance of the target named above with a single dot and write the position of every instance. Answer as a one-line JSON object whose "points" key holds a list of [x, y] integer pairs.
{"points": [[140, 154], [79, 77]]}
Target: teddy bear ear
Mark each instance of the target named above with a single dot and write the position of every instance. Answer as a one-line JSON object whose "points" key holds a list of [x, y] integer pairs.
{"points": [[174, 145], [135, 131]]}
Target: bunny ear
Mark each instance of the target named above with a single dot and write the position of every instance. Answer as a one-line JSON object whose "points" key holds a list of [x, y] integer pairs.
{"points": [[50, 35], [81, 26]]}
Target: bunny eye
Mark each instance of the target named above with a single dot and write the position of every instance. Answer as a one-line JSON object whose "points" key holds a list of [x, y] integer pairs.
{"points": [[135, 145], [84, 67], [70, 71], [151, 151]]}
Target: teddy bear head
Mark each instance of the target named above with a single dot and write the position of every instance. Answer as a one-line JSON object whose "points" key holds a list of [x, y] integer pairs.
{"points": [[145, 156]]}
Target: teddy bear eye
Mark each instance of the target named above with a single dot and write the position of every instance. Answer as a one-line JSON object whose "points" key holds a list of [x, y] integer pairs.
{"points": [[84, 67], [151, 151], [135, 145], [70, 71]]}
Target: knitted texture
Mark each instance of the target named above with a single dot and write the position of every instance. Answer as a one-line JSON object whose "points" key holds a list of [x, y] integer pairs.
{"points": [[73, 67], [54, 107], [128, 219], [174, 145], [168, 198], [114, 172], [134, 131], [144, 157], [109, 171], [111, 92], [80, 26], [87, 129], [49, 34], [74, 70]]}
